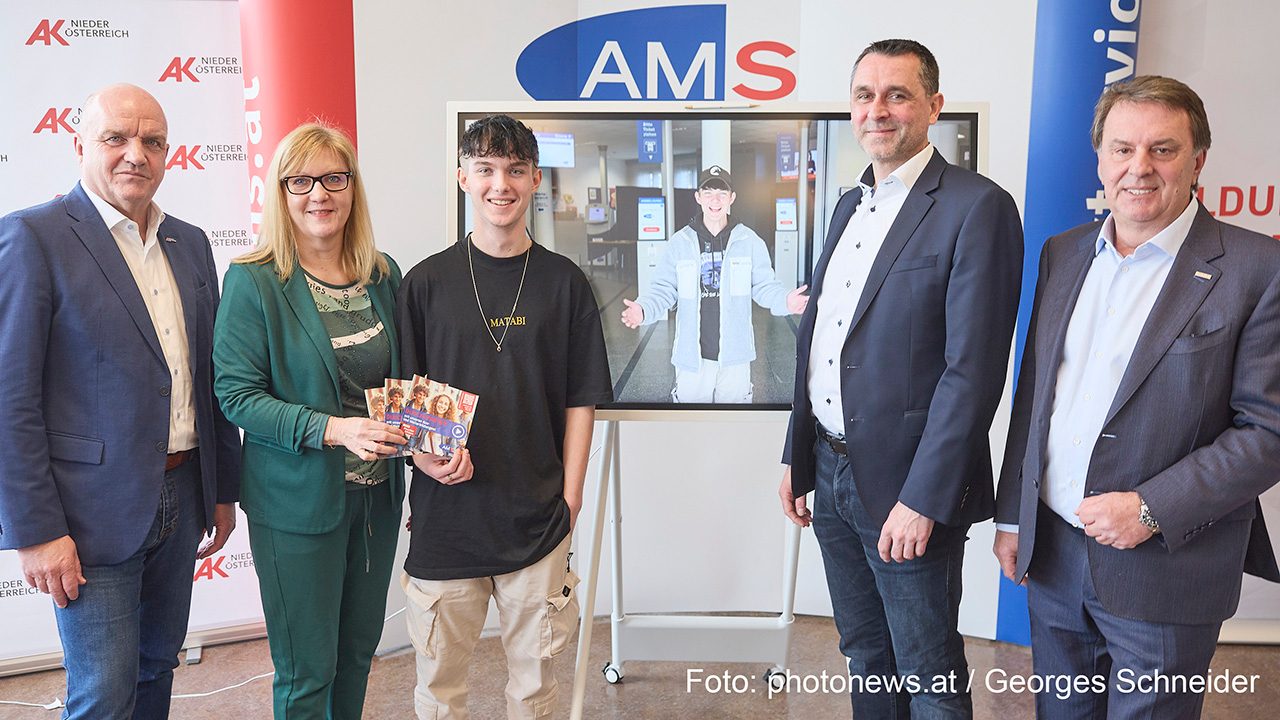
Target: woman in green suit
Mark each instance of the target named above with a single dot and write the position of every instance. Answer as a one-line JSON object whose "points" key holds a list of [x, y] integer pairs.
{"points": [[304, 326]]}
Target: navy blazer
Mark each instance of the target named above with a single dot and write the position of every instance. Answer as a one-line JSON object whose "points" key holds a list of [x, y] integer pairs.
{"points": [[1194, 427], [84, 386], [927, 353]]}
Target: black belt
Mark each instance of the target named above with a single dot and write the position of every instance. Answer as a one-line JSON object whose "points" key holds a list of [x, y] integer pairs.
{"points": [[835, 442]]}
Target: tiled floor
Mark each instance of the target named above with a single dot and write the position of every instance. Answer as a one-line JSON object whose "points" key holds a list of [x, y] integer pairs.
{"points": [[650, 690]]}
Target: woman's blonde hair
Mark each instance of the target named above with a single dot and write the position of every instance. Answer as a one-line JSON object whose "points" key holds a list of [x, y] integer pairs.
{"points": [[276, 240]]}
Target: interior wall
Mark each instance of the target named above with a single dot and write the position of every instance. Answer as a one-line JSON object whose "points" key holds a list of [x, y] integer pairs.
{"points": [[703, 527]]}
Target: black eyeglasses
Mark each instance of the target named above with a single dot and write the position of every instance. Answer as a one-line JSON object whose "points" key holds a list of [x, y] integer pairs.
{"points": [[302, 184]]}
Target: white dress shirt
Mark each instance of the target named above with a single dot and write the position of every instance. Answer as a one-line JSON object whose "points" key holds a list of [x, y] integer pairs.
{"points": [[151, 271], [845, 278], [1115, 300]]}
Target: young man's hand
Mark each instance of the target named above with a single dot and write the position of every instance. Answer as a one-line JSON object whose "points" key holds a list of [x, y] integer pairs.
{"points": [[797, 301], [633, 316], [446, 471]]}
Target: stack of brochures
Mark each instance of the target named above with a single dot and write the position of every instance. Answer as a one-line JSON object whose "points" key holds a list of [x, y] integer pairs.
{"points": [[434, 417]]}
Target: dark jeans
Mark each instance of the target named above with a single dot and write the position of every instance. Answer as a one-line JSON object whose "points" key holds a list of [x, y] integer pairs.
{"points": [[121, 638], [896, 620], [1073, 635]]}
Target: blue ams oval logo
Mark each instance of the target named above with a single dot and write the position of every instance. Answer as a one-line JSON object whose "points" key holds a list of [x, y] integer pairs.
{"points": [[664, 53]]}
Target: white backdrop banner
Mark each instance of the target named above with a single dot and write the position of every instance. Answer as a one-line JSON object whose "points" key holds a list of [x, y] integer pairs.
{"points": [[1220, 51], [187, 54]]}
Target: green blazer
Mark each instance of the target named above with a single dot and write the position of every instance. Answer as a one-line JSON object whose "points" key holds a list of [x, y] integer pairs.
{"points": [[273, 368]]}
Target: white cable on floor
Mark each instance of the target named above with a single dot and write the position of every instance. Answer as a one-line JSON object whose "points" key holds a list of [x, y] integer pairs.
{"points": [[47, 706], [229, 687]]}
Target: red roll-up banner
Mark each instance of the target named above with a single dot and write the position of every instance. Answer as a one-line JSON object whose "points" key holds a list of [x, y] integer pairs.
{"points": [[299, 64]]}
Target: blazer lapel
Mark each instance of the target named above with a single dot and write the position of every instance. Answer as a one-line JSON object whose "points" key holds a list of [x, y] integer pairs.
{"points": [[904, 226], [298, 295], [1183, 292], [187, 280], [1058, 302], [97, 239]]}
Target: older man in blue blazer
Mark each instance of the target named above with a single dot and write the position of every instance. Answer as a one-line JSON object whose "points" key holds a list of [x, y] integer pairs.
{"points": [[1146, 423], [114, 457], [902, 357]]}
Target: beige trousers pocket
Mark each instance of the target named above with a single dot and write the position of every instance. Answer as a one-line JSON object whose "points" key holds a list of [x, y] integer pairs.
{"points": [[421, 613], [560, 622]]}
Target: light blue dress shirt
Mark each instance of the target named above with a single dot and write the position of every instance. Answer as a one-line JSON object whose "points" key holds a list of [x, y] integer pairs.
{"points": [[1115, 300]]}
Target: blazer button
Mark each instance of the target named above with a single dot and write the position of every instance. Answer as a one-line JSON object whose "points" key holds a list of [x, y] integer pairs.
{"points": [[164, 391], [162, 446]]}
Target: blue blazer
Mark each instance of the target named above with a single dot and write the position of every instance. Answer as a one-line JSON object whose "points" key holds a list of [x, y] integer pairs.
{"points": [[84, 387], [927, 353], [1194, 427]]}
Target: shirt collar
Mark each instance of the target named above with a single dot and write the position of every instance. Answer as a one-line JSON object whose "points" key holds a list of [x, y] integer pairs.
{"points": [[907, 173], [1169, 240], [113, 217]]}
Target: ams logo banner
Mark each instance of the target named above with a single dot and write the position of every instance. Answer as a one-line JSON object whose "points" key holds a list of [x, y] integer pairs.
{"points": [[665, 53]]}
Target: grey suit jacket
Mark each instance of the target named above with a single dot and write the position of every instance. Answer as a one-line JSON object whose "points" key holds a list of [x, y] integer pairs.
{"points": [[1194, 427], [925, 360]]}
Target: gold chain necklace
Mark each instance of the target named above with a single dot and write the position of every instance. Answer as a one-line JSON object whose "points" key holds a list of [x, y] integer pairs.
{"points": [[484, 318]]}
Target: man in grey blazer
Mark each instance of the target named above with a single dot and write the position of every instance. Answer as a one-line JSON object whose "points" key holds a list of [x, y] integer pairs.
{"points": [[114, 457], [901, 360], [1146, 423]]}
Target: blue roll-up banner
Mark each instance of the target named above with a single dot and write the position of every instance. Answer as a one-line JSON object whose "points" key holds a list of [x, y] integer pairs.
{"points": [[1081, 47]]}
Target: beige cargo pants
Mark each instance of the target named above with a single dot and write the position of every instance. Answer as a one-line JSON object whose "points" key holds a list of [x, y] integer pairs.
{"points": [[538, 614]]}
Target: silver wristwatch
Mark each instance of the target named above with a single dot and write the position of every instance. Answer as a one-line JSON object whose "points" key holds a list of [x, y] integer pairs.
{"points": [[1144, 517]]}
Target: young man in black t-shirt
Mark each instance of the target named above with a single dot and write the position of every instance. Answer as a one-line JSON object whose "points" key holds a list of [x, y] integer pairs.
{"points": [[502, 317]]}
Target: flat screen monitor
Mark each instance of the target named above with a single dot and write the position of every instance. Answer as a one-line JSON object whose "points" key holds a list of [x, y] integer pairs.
{"points": [[760, 150], [555, 149]]}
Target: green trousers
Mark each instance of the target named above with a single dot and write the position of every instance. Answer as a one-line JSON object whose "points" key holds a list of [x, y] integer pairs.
{"points": [[324, 597]]}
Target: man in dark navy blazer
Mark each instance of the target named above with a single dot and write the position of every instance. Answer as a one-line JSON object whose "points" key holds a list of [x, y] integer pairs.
{"points": [[1146, 423], [901, 361], [114, 457]]}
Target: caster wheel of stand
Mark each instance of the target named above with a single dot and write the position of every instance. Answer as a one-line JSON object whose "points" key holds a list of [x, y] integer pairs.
{"points": [[776, 679], [612, 675]]}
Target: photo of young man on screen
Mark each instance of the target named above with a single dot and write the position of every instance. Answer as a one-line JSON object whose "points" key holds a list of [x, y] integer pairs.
{"points": [[710, 272]]}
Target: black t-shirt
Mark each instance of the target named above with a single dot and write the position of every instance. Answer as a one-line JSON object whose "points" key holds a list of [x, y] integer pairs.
{"points": [[512, 511], [710, 259]]}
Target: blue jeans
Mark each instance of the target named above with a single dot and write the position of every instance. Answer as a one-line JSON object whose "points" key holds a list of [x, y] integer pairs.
{"points": [[896, 620], [121, 637]]}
